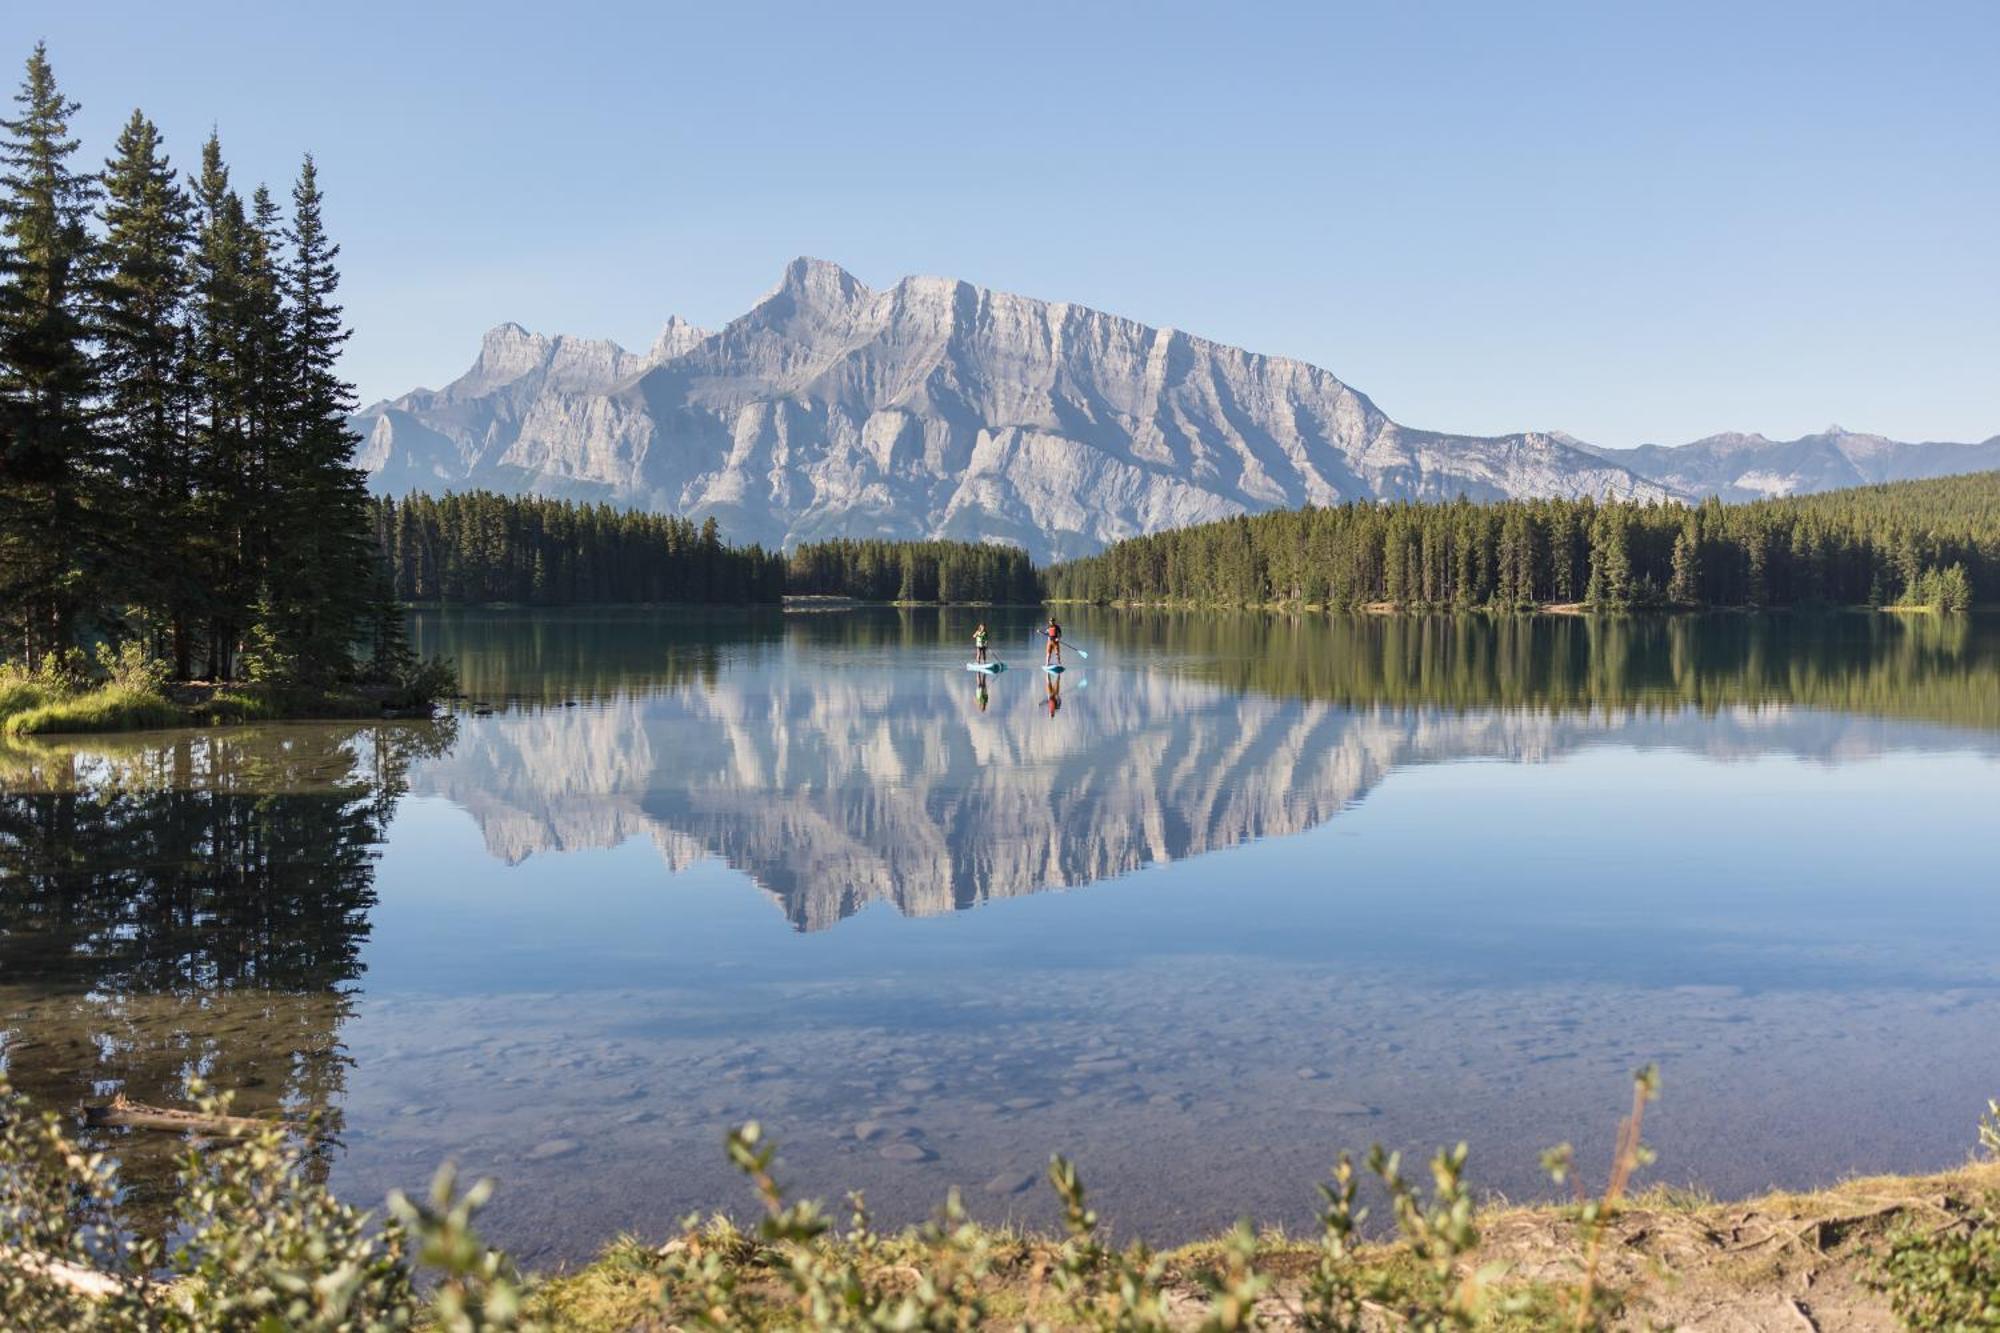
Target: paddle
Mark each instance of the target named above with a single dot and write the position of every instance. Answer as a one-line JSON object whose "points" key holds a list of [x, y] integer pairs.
{"points": [[1068, 647]]}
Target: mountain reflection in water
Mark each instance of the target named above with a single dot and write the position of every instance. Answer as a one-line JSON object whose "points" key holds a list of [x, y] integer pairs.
{"points": [[834, 789]]}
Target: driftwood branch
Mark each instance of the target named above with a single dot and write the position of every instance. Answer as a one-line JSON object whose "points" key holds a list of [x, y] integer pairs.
{"points": [[119, 1113], [87, 1282]]}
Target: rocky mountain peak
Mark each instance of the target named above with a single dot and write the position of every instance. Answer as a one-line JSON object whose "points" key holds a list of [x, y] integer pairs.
{"points": [[938, 408], [506, 353], [676, 338], [817, 284]]}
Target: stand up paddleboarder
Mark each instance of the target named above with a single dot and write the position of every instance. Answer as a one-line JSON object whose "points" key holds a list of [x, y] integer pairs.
{"points": [[1053, 655], [979, 644]]}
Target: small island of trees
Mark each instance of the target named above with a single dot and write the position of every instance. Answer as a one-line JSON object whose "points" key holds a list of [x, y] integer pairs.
{"points": [[178, 498]]}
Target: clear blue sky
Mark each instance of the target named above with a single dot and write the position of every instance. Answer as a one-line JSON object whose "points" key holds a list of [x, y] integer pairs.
{"points": [[1629, 221]]}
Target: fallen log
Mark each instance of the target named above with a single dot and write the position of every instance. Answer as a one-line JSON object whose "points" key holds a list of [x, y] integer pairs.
{"points": [[87, 1282], [118, 1113]]}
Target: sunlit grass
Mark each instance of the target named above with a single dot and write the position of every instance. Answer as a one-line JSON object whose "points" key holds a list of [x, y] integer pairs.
{"points": [[110, 708]]}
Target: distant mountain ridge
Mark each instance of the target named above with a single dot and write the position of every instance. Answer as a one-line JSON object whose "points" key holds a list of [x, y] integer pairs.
{"points": [[1750, 467], [936, 408]]}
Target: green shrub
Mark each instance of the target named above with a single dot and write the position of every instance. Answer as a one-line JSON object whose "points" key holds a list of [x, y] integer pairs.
{"points": [[421, 683], [793, 1272], [18, 694], [131, 666], [261, 1245], [22, 689], [248, 704], [1947, 1277]]}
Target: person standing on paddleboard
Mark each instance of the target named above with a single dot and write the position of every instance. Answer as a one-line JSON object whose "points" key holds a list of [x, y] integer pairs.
{"points": [[1053, 657], [979, 644]]}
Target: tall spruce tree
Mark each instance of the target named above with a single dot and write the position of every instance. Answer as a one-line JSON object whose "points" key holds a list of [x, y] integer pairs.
{"points": [[142, 333], [221, 452], [1684, 581], [264, 390], [1610, 560], [328, 563], [57, 495]]}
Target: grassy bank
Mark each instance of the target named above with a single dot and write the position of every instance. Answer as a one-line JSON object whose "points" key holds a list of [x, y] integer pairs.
{"points": [[1821, 1260], [262, 1244], [127, 690], [30, 710]]}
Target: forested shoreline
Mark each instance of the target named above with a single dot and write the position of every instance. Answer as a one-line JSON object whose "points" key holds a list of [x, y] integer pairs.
{"points": [[178, 497], [878, 570], [481, 546], [1924, 543], [484, 547]]}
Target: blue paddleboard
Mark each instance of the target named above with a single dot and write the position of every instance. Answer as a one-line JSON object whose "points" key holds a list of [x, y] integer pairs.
{"points": [[989, 668], [1053, 670]]}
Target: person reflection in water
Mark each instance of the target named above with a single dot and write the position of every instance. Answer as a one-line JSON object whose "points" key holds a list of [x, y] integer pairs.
{"points": [[1055, 694], [979, 695]]}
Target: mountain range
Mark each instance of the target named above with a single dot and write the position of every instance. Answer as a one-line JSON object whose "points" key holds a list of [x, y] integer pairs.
{"points": [[936, 408]]}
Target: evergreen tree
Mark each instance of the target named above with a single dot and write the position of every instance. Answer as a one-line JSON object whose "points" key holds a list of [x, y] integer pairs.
{"points": [[1954, 590], [325, 559], [174, 455], [224, 477], [58, 503], [1684, 583], [141, 326], [1610, 560]]}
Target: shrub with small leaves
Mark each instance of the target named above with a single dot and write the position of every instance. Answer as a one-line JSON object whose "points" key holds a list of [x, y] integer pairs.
{"points": [[132, 666], [1115, 1291], [64, 1261], [1947, 1277], [262, 1245]]}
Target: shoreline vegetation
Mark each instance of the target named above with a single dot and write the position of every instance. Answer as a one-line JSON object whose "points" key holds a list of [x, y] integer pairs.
{"points": [[481, 547], [183, 532], [1932, 544], [260, 1242], [1523, 609], [29, 708]]}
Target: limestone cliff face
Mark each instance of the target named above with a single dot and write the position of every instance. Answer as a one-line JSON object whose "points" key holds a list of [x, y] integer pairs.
{"points": [[937, 408]]}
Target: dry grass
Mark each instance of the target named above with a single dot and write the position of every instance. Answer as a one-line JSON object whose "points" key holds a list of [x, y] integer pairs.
{"points": [[1674, 1259]]}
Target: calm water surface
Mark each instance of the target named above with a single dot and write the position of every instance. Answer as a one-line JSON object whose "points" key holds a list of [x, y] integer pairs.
{"points": [[1248, 891]]}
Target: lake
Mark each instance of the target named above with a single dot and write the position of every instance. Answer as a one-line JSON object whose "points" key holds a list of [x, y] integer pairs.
{"points": [[1243, 891]]}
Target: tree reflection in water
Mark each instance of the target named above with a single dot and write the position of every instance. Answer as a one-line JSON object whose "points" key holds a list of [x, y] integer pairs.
{"points": [[191, 905]]}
